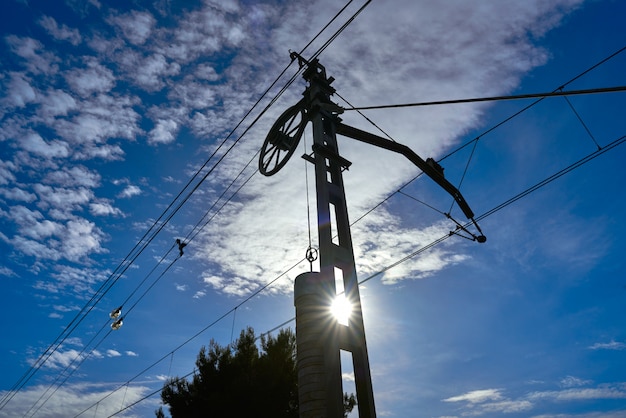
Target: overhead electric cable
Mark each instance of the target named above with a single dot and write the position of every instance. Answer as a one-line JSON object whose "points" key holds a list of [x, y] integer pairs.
{"points": [[210, 325], [80, 356], [495, 98], [106, 286], [420, 250]]}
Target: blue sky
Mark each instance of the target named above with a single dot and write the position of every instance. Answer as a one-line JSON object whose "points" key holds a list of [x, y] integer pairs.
{"points": [[109, 109]]}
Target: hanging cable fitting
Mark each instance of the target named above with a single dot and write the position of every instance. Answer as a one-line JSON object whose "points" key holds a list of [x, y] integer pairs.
{"points": [[311, 254], [481, 238], [117, 324], [181, 245], [115, 313]]}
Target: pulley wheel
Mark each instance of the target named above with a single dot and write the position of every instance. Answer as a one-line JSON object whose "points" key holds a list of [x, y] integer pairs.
{"points": [[282, 140]]}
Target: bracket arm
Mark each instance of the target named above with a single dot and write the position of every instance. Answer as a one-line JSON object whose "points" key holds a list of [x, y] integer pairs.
{"points": [[430, 168]]}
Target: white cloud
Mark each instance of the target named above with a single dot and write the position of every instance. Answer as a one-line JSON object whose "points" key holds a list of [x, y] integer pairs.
{"points": [[136, 26], [131, 354], [113, 353], [477, 396], [62, 199], [19, 91], [199, 294], [164, 132], [7, 272], [95, 78], [34, 143], [73, 176], [63, 308], [489, 401], [73, 399], [37, 60], [129, 191], [447, 49], [347, 377], [103, 209], [181, 287], [61, 33], [206, 72], [72, 279], [18, 195], [56, 103], [62, 359]]}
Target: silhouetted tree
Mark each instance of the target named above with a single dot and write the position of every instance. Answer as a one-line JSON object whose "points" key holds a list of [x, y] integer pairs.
{"points": [[241, 381]]}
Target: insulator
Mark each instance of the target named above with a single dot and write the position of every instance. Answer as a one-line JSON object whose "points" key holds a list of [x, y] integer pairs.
{"points": [[117, 324], [115, 313]]}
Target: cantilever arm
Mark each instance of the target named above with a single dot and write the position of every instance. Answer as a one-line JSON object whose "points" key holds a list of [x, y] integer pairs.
{"points": [[427, 168]]}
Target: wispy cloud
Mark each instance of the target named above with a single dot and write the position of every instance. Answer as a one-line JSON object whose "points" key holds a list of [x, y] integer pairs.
{"points": [[60, 32], [73, 399], [477, 396], [489, 401], [611, 345], [572, 381]]}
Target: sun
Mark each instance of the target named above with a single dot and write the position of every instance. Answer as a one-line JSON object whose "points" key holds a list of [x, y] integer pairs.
{"points": [[341, 309]]}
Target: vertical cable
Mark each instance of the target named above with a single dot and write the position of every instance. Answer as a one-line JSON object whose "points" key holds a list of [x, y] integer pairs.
{"points": [[469, 160], [310, 253], [580, 119], [232, 329], [124, 397]]}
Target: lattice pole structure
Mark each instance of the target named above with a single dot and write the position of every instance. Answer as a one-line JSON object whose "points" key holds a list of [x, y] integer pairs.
{"points": [[320, 338]]}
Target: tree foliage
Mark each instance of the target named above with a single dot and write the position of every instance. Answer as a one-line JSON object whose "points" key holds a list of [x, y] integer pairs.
{"points": [[240, 380]]}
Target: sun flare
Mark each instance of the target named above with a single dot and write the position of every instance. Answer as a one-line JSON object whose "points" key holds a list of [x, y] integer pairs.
{"points": [[341, 309]]}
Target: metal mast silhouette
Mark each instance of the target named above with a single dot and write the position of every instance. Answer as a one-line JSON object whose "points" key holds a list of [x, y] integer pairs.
{"points": [[320, 337]]}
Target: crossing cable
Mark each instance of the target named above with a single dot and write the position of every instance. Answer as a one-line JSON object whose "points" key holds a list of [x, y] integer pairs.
{"points": [[241, 136], [477, 138], [179, 379], [524, 193], [528, 191], [580, 119], [441, 239], [196, 335], [493, 128], [582, 74], [85, 357], [430, 245], [40, 362], [129, 259], [80, 355]]}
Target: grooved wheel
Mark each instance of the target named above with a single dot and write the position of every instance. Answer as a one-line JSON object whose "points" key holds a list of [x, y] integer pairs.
{"points": [[282, 140]]}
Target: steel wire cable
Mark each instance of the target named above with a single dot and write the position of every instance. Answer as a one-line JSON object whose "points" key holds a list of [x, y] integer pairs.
{"points": [[203, 330], [444, 157], [63, 336], [441, 239], [490, 212], [92, 350], [506, 203], [250, 126], [557, 93]]}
